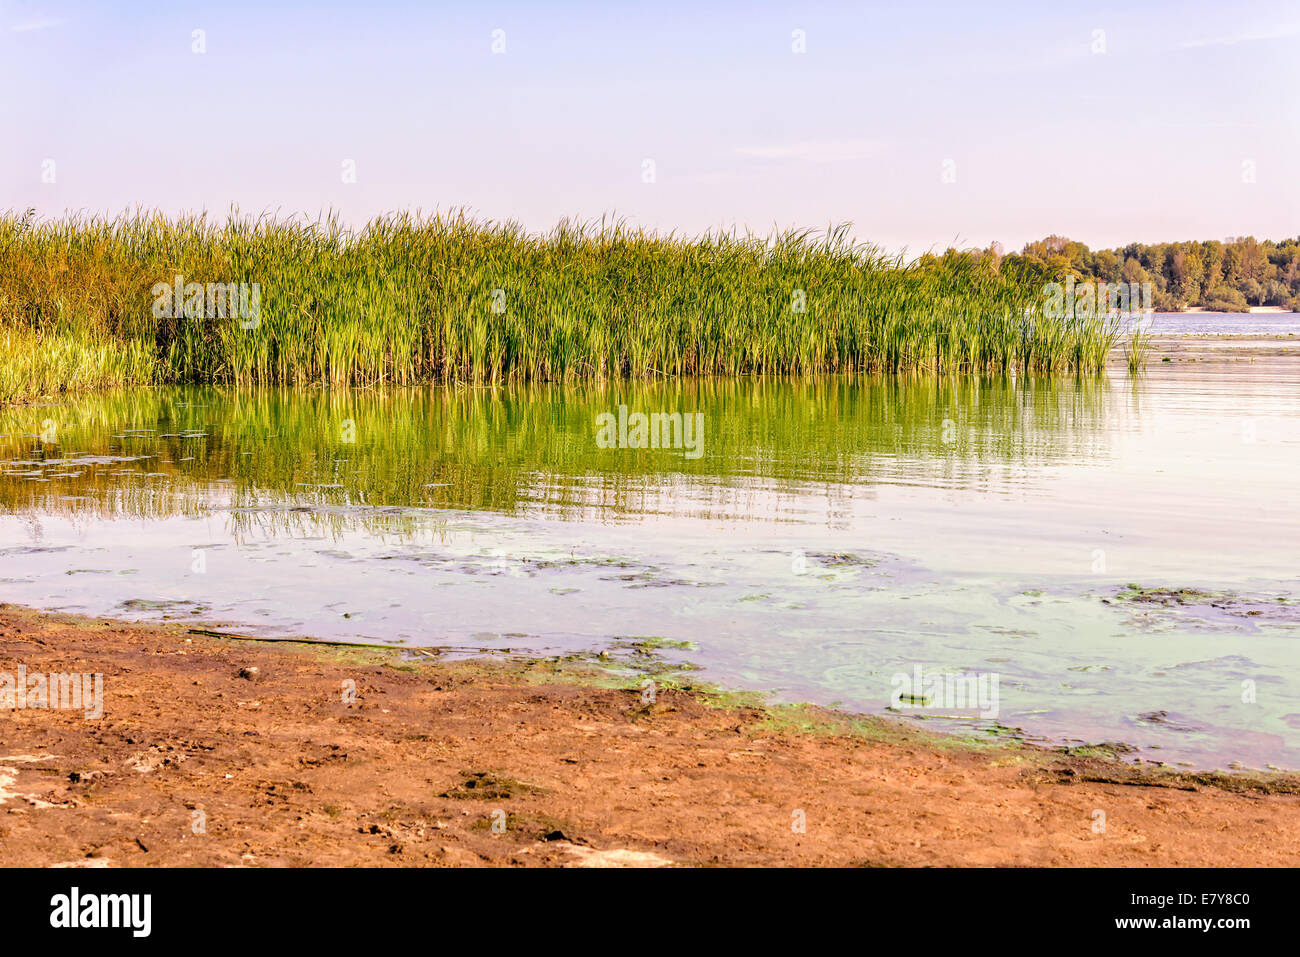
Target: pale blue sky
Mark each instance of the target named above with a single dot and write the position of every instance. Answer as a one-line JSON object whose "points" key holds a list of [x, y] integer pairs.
{"points": [[1145, 141]]}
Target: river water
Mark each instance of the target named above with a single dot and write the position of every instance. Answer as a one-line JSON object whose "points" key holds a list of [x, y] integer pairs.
{"points": [[819, 540], [1224, 323]]}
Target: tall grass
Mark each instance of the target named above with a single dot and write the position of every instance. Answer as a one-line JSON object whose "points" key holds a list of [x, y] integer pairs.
{"points": [[33, 363], [409, 298], [1139, 345]]}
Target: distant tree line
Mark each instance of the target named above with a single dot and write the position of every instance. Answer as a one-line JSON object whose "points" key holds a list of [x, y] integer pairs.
{"points": [[1227, 276]]}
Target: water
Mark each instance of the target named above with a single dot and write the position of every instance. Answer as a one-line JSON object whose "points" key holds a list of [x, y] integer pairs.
{"points": [[830, 536], [1225, 323]]}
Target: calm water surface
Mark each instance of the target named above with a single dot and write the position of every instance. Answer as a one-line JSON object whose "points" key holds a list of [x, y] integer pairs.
{"points": [[1225, 323], [831, 535]]}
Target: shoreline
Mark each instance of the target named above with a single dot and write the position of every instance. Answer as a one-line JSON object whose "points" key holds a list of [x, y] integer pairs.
{"points": [[1250, 310], [256, 740], [1212, 348]]}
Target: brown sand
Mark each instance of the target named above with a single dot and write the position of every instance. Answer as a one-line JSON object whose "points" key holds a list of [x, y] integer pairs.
{"points": [[258, 738]]}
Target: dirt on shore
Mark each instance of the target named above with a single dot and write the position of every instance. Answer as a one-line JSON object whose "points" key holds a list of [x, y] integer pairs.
{"points": [[1214, 349], [219, 752]]}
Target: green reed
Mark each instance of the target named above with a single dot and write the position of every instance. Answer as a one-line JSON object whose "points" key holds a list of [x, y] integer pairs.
{"points": [[1139, 346], [407, 299]]}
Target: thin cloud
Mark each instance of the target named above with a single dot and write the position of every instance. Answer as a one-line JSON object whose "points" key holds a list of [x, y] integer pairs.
{"points": [[32, 25]]}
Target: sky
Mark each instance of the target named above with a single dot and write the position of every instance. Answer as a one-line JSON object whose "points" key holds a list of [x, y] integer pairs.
{"points": [[924, 124]]}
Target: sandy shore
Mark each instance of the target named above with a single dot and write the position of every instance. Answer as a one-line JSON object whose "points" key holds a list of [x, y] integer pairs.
{"points": [[1224, 348], [218, 752]]}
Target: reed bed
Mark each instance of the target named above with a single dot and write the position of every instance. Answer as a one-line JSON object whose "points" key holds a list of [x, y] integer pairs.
{"points": [[35, 364], [408, 299]]}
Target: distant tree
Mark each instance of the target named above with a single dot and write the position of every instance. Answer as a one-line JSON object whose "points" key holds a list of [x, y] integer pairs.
{"points": [[1163, 301], [1254, 262], [1153, 260], [1277, 293], [1212, 256], [1106, 265], [1225, 299], [1231, 264], [1076, 254], [1133, 271], [1229, 274]]}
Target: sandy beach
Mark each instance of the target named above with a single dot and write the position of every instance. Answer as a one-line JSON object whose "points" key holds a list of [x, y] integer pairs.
{"points": [[220, 752]]}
